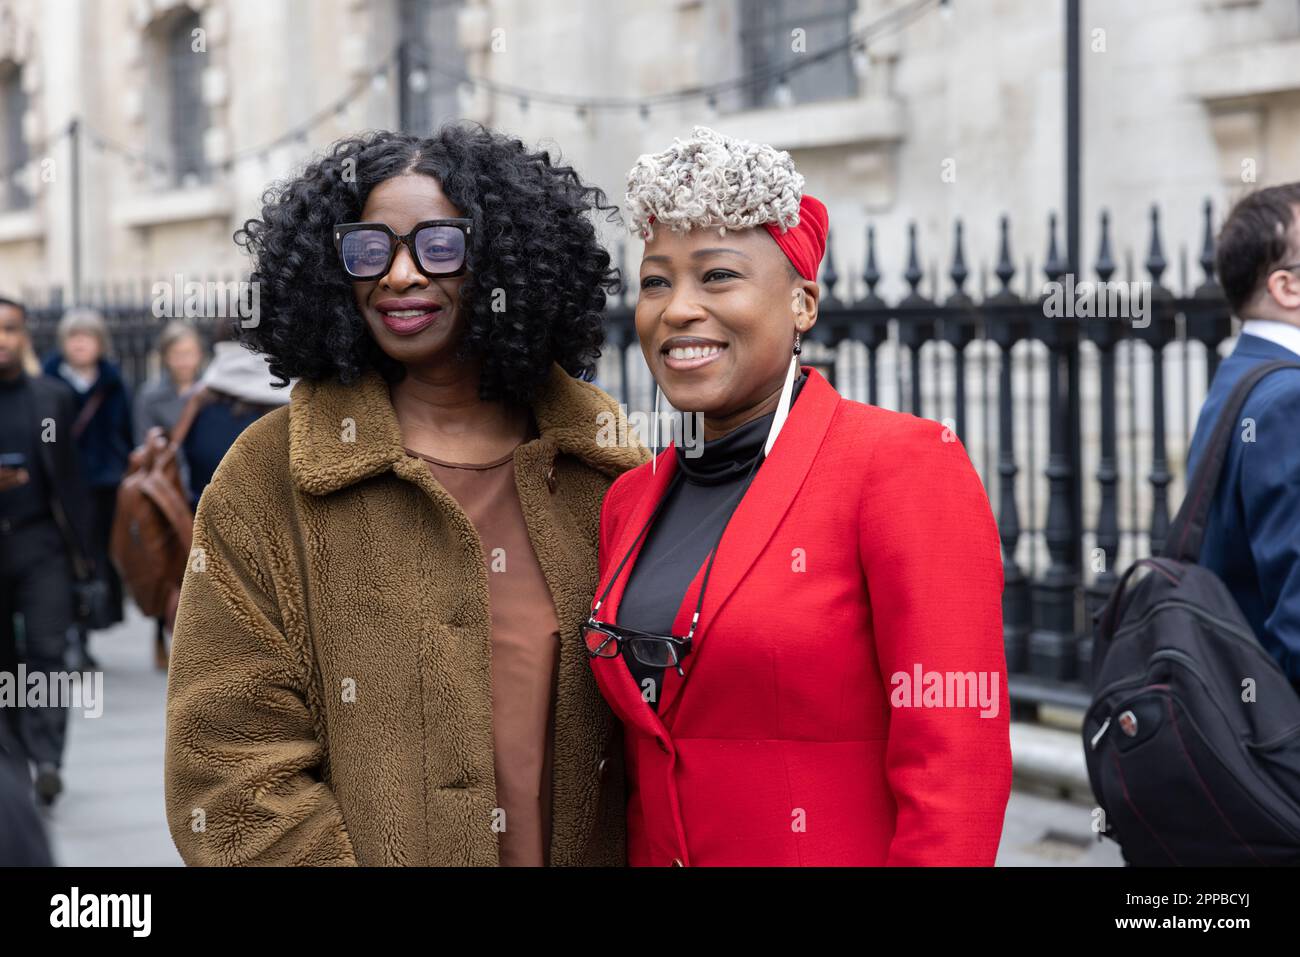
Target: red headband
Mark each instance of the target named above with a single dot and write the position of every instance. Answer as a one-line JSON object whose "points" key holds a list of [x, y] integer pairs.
{"points": [[804, 244]]}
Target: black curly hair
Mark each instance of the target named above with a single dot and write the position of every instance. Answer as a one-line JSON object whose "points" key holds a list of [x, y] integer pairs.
{"points": [[532, 238]]}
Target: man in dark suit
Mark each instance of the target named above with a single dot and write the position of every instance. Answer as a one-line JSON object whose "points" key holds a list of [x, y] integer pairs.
{"points": [[1252, 540], [44, 539]]}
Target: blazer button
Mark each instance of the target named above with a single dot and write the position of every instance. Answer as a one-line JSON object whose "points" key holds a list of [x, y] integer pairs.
{"points": [[551, 483], [600, 768]]}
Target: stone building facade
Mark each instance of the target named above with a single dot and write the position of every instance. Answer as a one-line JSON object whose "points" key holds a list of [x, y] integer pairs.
{"points": [[187, 109], [957, 114]]}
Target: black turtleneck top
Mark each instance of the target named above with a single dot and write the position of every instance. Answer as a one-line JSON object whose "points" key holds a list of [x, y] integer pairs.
{"points": [[701, 499]]}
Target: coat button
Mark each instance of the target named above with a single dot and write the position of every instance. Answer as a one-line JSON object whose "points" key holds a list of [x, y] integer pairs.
{"points": [[600, 768], [551, 483]]}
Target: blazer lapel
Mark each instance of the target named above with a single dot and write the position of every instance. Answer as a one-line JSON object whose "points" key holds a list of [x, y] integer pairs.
{"points": [[612, 674], [753, 523]]}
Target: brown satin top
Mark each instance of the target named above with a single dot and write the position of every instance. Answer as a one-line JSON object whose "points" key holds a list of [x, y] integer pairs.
{"points": [[525, 653]]}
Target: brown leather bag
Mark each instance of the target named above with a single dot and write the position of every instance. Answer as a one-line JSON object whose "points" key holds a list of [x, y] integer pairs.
{"points": [[153, 526]]}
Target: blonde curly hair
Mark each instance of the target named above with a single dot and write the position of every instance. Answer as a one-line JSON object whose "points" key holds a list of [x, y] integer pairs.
{"points": [[713, 180]]}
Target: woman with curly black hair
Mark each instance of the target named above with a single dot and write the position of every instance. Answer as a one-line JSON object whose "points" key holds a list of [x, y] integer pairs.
{"points": [[376, 655]]}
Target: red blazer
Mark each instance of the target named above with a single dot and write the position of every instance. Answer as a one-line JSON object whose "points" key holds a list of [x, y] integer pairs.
{"points": [[865, 549]]}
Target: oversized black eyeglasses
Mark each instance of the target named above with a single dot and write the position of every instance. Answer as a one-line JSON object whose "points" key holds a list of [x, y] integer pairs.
{"points": [[605, 640], [437, 246]]}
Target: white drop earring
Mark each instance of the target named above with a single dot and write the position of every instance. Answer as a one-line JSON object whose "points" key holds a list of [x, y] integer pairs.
{"points": [[783, 404]]}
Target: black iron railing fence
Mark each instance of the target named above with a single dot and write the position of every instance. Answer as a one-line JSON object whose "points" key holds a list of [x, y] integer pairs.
{"points": [[1067, 417]]}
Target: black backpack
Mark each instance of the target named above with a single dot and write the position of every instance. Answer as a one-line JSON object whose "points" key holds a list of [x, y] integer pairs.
{"points": [[1185, 770]]}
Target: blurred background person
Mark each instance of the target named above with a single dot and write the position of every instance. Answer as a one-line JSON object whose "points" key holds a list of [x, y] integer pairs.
{"points": [[160, 402], [1252, 532], [103, 435], [237, 391], [233, 393], [161, 399], [44, 522]]}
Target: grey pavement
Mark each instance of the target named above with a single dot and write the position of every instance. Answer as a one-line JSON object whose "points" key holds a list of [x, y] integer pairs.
{"points": [[111, 811], [1045, 830]]}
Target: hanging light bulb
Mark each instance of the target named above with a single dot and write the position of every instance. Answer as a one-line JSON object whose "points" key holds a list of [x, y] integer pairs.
{"points": [[711, 106], [379, 82], [644, 112], [945, 9], [417, 80], [783, 95]]}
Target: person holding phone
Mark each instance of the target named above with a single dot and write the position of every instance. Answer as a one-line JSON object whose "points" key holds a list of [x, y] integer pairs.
{"points": [[44, 540]]}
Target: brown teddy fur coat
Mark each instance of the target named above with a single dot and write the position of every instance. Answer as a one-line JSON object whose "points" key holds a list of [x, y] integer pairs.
{"points": [[329, 696]]}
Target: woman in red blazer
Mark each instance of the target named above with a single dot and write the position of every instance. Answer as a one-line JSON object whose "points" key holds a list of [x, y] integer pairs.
{"points": [[799, 625]]}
